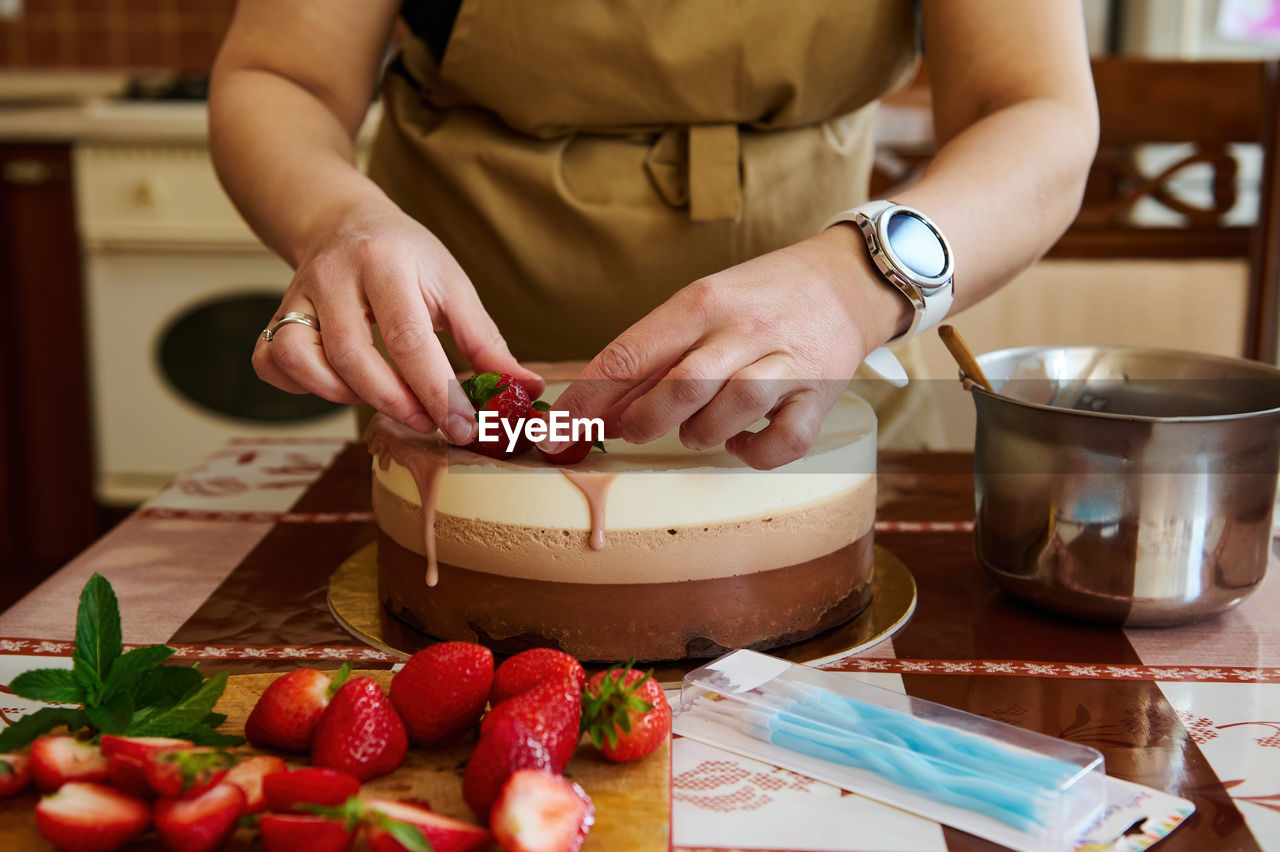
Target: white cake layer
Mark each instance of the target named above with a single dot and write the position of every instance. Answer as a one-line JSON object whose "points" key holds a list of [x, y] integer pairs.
{"points": [[662, 484]]}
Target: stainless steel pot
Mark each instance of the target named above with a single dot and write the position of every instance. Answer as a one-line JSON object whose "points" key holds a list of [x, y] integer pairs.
{"points": [[1128, 486]]}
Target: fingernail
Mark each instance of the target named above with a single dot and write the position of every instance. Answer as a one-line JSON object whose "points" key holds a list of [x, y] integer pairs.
{"points": [[460, 429], [553, 447], [421, 423]]}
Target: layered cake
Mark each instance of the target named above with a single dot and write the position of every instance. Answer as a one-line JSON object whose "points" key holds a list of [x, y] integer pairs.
{"points": [[648, 551]]}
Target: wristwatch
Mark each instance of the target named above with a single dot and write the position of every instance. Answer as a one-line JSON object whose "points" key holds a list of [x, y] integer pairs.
{"points": [[915, 258]]}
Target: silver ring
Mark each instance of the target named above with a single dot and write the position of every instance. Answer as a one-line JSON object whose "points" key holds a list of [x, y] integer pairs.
{"points": [[292, 316]]}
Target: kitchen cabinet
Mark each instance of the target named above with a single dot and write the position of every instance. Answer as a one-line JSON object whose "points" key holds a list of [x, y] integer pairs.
{"points": [[47, 510]]}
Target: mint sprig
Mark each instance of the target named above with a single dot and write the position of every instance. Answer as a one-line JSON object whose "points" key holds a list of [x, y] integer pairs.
{"points": [[133, 694]]}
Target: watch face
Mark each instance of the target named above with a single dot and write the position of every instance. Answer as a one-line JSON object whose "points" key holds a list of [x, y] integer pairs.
{"points": [[915, 244]]}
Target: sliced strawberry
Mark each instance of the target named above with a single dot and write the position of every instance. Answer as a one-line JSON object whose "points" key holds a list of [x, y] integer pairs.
{"points": [[541, 812], [304, 833], [386, 818], [15, 774], [126, 761], [289, 711], [552, 710], [508, 745], [199, 823], [534, 667], [186, 771], [441, 692], [248, 775], [86, 817], [360, 732], [288, 792], [626, 713], [58, 760]]}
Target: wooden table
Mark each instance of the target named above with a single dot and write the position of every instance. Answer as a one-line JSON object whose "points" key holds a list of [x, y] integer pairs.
{"points": [[231, 563]]}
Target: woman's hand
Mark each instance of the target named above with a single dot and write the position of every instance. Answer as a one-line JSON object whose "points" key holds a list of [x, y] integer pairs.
{"points": [[377, 265], [778, 337]]}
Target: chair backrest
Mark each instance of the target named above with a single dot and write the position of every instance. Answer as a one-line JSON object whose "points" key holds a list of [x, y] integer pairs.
{"points": [[1209, 106]]}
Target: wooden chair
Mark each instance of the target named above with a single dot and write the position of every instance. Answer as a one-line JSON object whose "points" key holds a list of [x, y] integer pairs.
{"points": [[1208, 105]]}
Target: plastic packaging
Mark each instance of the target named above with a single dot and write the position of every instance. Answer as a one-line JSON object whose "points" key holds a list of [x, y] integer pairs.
{"points": [[1016, 787]]}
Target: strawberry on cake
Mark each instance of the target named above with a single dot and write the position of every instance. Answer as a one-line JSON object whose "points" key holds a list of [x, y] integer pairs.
{"points": [[651, 551]]}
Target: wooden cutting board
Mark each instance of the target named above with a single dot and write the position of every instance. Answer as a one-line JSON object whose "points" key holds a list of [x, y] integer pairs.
{"points": [[632, 801]]}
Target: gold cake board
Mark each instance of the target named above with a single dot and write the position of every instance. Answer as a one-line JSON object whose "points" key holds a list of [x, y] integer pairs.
{"points": [[353, 600]]}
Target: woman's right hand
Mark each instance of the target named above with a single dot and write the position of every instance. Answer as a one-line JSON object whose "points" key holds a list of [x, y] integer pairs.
{"points": [[371, 265]]}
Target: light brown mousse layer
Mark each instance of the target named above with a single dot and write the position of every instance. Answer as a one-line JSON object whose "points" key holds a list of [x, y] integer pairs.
{"points": [[704, 551], [617, 621]]}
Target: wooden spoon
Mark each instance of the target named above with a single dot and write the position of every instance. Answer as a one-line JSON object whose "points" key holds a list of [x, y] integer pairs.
{"points": [[964, 357]]}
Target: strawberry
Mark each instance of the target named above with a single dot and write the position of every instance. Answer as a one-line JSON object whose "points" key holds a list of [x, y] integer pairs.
{"points": [[625, 713], [57, 760], [86, 817], [541, 812], [199, 823], [386, 820], [286, 791], [498, 392], [304, 833], [508, 745], [249, 774], [440, 693], [360, 732], [289, 711], [552, 711], [530, 668], [15, 774], [126, 761], [179, 772]]}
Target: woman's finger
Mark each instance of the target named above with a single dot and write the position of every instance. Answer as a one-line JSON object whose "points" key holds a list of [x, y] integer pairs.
{"points": [[685, 389], [479, 340], [792, 429], [295, 350], [409, 334], [751, 394], [349, 348]]}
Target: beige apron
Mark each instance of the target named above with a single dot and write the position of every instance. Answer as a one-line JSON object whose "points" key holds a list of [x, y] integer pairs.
{"points": [[583, 161]]}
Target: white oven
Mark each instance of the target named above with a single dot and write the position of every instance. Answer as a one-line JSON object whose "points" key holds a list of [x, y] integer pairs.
{"points": [[177, 290]]}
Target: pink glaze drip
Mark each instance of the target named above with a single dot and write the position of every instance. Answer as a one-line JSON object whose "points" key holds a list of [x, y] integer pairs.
{"points": [[595, 487], [426, 457]]}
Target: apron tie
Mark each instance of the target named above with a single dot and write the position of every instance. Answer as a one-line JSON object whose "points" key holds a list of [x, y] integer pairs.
{"points": [[698, 165]]}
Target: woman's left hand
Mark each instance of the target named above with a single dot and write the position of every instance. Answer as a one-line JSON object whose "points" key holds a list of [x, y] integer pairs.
{"points": [[777, 337]]}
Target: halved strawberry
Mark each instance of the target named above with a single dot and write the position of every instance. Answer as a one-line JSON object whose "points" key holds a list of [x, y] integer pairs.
{"points": [[541, 812], [289, 711], [180, 772], [249, 774], [15, 774], [440, 693], [534, 667], [58, 760], [290, 792], [304, 833], [86, 817], [126, 761], [626, 713], [552, 710], [199, 823], [508, 745], [386, 818]]}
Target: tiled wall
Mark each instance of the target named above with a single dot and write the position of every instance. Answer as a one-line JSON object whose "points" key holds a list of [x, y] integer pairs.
{"points": [[135, 34]]}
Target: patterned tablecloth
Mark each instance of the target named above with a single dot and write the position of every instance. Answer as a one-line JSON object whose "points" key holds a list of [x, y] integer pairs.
{"points": [[231, 563]]}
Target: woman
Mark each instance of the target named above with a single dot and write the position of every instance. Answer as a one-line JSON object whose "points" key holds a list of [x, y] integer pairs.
{"points": [[641, 183]]}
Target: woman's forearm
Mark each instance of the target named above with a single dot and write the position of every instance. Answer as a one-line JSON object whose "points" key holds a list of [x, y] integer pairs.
{"points": [[1005, 188], [285, 158]]}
